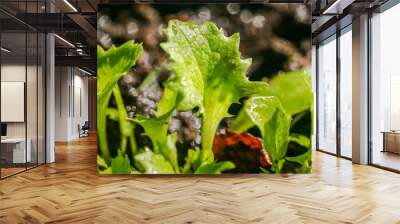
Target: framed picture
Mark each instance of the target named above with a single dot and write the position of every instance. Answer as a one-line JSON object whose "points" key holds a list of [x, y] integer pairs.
{"points": [[204, 88]]}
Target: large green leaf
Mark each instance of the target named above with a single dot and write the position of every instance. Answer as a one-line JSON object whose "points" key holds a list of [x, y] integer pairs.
{"points": [[111, 66], [152, 163], [293, 90], [268, 115], [209, 73]]}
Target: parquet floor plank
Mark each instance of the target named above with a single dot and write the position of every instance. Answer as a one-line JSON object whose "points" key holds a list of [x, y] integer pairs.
{"points": [[70, 191]]}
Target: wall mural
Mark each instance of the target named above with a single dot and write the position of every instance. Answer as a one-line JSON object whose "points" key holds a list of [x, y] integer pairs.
{"points": [[204, 89]]}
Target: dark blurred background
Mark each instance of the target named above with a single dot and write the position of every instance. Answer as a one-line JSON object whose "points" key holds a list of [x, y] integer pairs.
{"points": [[276, 36]]}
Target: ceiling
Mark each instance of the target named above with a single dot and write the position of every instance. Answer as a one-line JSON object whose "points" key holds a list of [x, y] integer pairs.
{"points": [[330, 15]]}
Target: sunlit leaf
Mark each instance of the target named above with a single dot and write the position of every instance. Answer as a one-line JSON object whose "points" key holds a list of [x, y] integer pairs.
{"points": [[120, 164], [269, 116], [215, 167], [152, 163], [111, 66], [209, 73]]}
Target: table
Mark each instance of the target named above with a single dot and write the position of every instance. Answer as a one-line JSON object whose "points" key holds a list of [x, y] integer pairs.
{"points": [[16, 147], [391, 141]]}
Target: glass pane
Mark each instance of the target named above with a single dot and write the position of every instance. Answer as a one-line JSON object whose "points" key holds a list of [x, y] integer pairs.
{"points": [[385, 86], [41, 99], [14, 151], [346, 94], [327, 96], [31, 100]]}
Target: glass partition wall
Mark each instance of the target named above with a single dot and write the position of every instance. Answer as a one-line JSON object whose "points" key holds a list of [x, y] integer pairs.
{"points": [[385, 89], [334, 94], [345, 91], [22, 95], [327, 95]]}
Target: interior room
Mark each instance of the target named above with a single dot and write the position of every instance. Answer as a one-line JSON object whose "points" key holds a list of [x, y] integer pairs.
{"points": [[385, 75], [55, 54], [22, 99]]}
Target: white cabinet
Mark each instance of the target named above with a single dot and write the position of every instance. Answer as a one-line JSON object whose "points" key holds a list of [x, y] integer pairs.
{"points": [[17, 146]]}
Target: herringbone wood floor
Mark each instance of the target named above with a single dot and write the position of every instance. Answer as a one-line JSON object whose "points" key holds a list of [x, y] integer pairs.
{"points": [[70, 191]]}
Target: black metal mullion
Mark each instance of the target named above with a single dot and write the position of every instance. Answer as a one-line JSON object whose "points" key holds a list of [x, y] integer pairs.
{"points": [[45, 92], [26, 86], [0, 93], [338, 100], [369, 90], [317, 96], [37, 90]]}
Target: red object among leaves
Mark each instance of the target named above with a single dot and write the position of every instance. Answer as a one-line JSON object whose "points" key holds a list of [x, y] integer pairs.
{"points": [[241, 147]]}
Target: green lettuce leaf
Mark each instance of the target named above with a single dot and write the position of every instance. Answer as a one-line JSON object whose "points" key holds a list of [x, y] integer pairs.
{"points": [[303, 159], [270, 117], [301, 140], [157, 129], [215, 167], [101, 163], [198, 164], [163, 143], [293, 90], [121, 164], [209, 73], [111, 66], [152, 163]]}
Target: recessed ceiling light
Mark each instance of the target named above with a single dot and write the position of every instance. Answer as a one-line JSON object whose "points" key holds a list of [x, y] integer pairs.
{"points": [[5, 50], [84, 71], [70, 5], [64, 40]]}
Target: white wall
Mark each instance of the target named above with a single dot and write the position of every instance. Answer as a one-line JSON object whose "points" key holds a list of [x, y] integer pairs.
{"points": [[71, 94], [15, 73], [33, 126]]}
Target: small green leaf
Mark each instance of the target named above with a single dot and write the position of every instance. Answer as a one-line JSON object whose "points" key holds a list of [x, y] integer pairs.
{"points": [[202, 162], [112, 114], [191, 157], [242, 122], [114, 63], [157, 130], [300, 159], [106, 171], [101, 162], [152, 163], [300, 139], [170, 151], [120, 164], [215, 167], [304, 159], [269, 116], [111, 66]]}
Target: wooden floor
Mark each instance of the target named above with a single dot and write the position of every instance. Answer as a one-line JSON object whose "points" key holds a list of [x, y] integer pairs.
{"points": [[70, 191]]}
